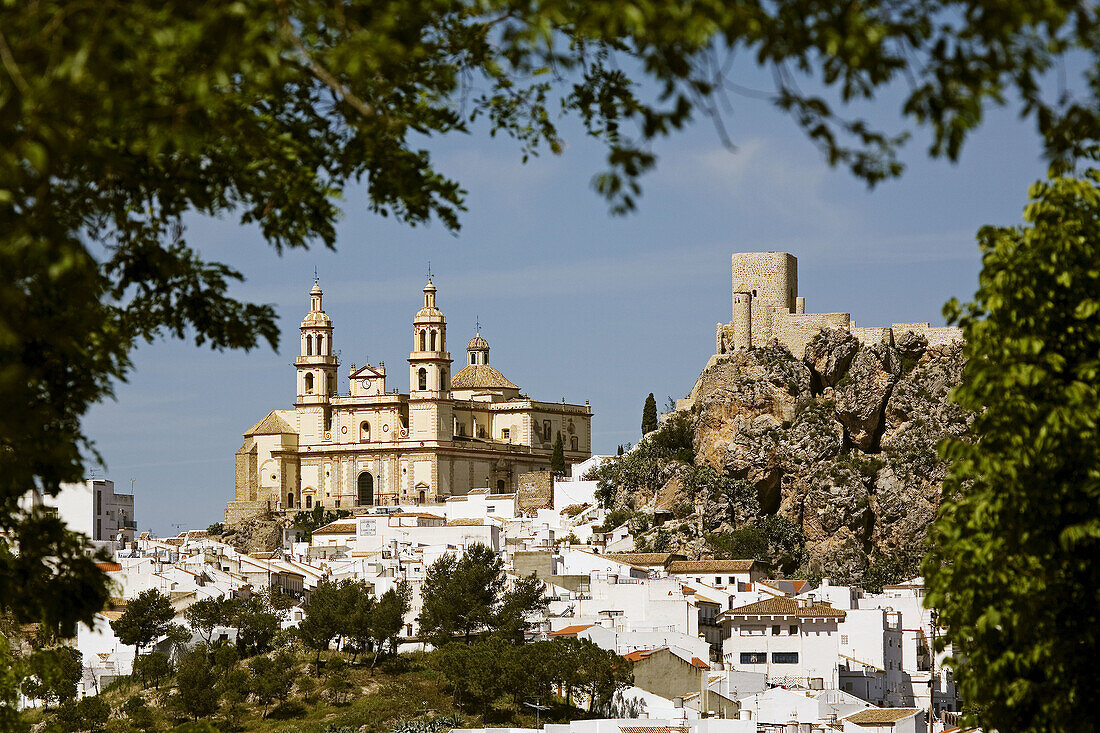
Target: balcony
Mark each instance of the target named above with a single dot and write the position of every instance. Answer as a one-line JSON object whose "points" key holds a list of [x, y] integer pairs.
{"points": [[128, 524]]}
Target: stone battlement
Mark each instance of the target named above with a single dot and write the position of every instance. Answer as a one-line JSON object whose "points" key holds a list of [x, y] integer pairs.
{"points": [[767, 307]]}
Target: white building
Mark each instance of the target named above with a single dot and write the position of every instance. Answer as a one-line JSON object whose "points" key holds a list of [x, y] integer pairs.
{"points": [[93, 509], [886, 720], [791, 640]]}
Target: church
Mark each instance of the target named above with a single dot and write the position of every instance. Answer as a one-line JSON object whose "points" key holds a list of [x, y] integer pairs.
{"points": [[376, 447]]}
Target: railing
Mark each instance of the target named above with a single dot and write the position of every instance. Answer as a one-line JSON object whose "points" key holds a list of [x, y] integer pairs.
{"points": [[129, 524]]}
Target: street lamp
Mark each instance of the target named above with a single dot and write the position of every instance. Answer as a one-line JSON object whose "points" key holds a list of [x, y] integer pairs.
{"points": [[538, 708]]}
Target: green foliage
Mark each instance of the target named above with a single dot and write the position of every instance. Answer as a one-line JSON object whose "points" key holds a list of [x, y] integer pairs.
{"points": [[737, 500], [256, 624], [771, 538], [318, 516], [643, 468], [482, 673], [56, 674], [145, 619], [461, 594], [271, 678], [557, 457], [205, 614], [138, 713], [87, 714], [13, 674], [649, 415], [337, 681], [196, 680], [152, 668], [322, 619], [217, 529], [1012, 570]]}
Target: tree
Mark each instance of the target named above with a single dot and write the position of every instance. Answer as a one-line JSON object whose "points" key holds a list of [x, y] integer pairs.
{"points": [[139, 714], [269, 111], [152, 668], [56, 674], [87, 714], [388, 617], [321, 622], [256, 624], [206, 614], [649, 415], [557, 458], [145, 619], [233, 691], [271, 679], [525, 596], [460, 594], [196, 682], [338, 680], [1011, 572]]}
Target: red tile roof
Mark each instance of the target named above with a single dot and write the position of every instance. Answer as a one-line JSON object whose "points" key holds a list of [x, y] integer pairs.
{"points": [[571, 630], [783, 606]]}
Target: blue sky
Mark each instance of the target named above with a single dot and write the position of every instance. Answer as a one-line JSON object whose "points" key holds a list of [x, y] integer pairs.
{"points": [[574, 302]]}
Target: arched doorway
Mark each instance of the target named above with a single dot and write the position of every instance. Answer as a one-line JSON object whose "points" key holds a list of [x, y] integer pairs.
{"points": [[366, 489]]}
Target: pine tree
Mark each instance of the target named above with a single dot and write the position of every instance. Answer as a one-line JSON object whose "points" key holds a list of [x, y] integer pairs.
{"points": [[649, 415], [557, 460]]}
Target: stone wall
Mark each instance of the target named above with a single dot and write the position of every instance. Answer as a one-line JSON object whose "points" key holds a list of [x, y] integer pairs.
{"points": [[534, 491], [238, 511]]}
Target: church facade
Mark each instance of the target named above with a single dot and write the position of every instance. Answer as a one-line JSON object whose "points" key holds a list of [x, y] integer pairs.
{"points": [[373, 446]]}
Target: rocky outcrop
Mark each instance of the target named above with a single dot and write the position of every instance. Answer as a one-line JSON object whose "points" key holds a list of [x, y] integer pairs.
{"points": [[842, 442], [256, 535]]}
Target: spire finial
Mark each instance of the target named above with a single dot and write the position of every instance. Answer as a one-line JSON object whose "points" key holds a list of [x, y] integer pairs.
{"points": [[429, 270], [477, 323], [315, 278]]}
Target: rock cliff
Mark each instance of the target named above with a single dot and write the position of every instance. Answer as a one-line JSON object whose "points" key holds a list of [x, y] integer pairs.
{"points": [[842, 443]]}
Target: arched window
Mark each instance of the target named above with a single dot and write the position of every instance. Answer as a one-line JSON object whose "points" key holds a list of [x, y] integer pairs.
{"points": [[423, 378], [309, 501], [366, 489], [573, 443], [290, 501], [309, 382], [473, 357], [433, 339], [320, 346], [364, 432], [500, 486], [309, 346], [443, 379], [423, 337]]}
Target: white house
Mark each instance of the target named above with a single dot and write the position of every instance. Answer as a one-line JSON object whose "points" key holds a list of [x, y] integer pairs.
{"points": [[791, 640], [886, 720]]}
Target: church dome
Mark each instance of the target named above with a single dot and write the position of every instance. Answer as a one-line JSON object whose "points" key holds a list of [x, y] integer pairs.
{"points": [[477, 343], [480, 376]]}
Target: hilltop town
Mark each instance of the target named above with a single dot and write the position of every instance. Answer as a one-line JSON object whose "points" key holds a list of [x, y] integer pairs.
{"points": [[388, 492]]}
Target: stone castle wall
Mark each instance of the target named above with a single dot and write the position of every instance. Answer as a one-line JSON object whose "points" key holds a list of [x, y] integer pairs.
{"points": [[767, 307]]}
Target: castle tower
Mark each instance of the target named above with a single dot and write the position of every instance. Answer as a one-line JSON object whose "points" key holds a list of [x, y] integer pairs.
{"points": [[477, 350], [770, 279], [430, 413], [316, 368]]}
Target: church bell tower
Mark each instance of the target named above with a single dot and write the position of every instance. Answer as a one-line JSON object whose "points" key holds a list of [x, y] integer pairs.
{"points": [[430, 414], [316, 368]]}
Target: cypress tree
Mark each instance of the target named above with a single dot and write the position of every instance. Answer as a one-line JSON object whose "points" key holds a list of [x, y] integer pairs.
{"points": [[649, 415], [557, 460]]}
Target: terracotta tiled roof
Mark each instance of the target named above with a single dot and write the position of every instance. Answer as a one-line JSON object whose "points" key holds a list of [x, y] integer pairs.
{"points": [[783, 606], [466, 522], [336, 528], [639, 655], [644, 559], [571, 630], [873, 716], [480, 376], [108, 567], [715, 566], [272, 424]]}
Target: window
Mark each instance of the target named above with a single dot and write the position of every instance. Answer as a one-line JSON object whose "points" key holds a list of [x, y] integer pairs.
{"points": [[433, 340], [309, 346], [490, 509], [443, 379], [423, 340], [794, 630], [422, 377], [752, 631], [775, 630], [98, 502], [784, 657], [754, 657], [500, 485], [290, 501], [505, 433], [337, 503], [320, 345], [309, 502], [546, 430], [844, 639], [718, 580], [573, 443], [309, 382]]}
